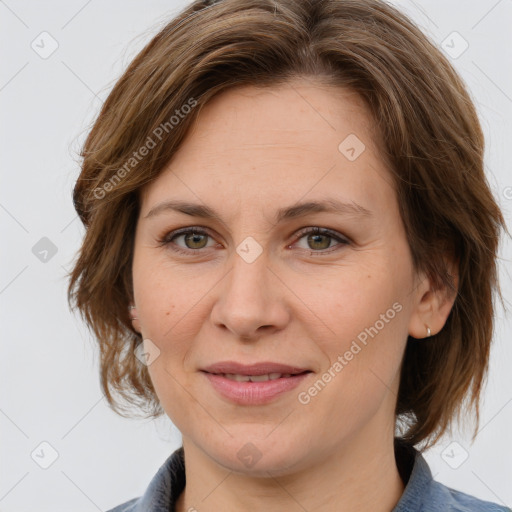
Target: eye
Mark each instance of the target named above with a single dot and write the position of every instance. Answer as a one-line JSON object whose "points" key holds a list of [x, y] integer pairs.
{"points": [[320, 239], [192, 239]]}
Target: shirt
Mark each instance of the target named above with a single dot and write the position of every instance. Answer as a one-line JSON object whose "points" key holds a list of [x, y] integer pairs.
{"points": [[421, 494]]}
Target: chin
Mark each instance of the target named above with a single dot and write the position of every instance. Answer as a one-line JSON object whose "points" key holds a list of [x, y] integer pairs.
{"points": [[255, 456]]}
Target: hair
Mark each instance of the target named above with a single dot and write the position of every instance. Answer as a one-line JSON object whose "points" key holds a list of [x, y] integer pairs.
{"points": [[431, 137]]}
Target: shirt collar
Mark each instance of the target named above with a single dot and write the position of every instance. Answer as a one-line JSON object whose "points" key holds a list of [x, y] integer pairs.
{"points": [[416, 475]]}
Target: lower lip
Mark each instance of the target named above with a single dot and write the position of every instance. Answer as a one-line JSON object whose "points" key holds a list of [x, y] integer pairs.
{"points": [[254, 393]]}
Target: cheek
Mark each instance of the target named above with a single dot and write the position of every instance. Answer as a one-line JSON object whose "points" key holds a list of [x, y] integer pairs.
{"points": [[367, 317], [360, 381], [351, 300], [167, 300], [171, 389]]}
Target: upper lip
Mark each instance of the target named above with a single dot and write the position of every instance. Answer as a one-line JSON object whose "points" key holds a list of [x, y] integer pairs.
{"points": [[261, 368]]}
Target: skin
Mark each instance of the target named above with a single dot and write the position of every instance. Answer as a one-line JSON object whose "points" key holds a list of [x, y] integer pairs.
{"points": [[302, 301]]}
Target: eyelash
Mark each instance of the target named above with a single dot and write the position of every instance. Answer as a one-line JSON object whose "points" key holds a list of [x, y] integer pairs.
{"points": [[167, 239]]}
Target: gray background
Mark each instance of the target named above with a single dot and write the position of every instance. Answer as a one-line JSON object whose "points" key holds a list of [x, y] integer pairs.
{"points": [[49, 378]]}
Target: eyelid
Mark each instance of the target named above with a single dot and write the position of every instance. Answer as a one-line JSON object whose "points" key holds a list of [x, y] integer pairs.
{"points": [[323, 231]]}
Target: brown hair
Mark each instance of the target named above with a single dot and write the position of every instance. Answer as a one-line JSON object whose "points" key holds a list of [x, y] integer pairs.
{"points": [[433, 141]]}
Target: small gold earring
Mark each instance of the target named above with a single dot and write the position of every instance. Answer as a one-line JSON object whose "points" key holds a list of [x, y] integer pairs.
{"points": [[428, 331]]}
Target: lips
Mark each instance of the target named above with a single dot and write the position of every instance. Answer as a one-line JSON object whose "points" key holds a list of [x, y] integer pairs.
{"points": [[254, 384], [255, 378], [255, 369]]}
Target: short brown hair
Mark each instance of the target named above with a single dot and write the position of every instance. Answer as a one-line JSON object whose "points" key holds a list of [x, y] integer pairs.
{"points": [[433, 142]]}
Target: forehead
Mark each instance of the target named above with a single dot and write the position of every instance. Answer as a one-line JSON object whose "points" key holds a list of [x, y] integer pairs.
{"points": [[290, 140], [290, 113]]}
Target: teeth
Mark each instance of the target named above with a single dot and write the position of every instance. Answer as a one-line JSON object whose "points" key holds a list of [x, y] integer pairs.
{"points": [[238, 378], [255, 378], [259, 378]]}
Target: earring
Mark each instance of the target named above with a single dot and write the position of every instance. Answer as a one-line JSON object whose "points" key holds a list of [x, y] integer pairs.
{"points": [[133, 312], [428, 331]]}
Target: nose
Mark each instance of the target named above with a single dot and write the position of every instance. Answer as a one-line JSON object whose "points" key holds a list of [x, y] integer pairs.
{"points": [[251, 300]]}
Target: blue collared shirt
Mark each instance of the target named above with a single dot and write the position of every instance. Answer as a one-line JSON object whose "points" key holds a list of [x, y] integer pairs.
{"points": [[422, 493]]}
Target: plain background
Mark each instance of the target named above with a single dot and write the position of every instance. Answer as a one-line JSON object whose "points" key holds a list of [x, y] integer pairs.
{"points": [[49, 377]]}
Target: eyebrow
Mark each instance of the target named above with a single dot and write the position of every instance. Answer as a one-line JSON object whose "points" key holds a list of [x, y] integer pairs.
{"points": [[287, 213]]}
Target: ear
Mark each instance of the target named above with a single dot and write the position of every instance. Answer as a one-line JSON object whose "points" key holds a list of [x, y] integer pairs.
{"points": [[134, 318], [431, 304]]}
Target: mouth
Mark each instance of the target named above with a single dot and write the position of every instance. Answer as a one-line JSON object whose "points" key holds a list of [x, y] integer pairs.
{"points": [[253, 384], [254, 369], [256, 378]]}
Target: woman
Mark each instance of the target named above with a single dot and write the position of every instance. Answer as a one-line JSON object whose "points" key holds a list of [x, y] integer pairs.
{"points": [[290, 250]]}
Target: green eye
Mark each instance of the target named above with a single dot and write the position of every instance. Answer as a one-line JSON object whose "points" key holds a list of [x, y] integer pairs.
{"points": [[195, 240], [320, 239], [316, 240], [319, 242]]}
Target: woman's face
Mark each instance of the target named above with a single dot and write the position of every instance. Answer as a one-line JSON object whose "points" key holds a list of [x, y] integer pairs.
{"points": [[238, 275]]}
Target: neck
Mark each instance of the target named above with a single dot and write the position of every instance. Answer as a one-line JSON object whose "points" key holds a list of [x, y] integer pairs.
{"points": [[360, 476]]}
